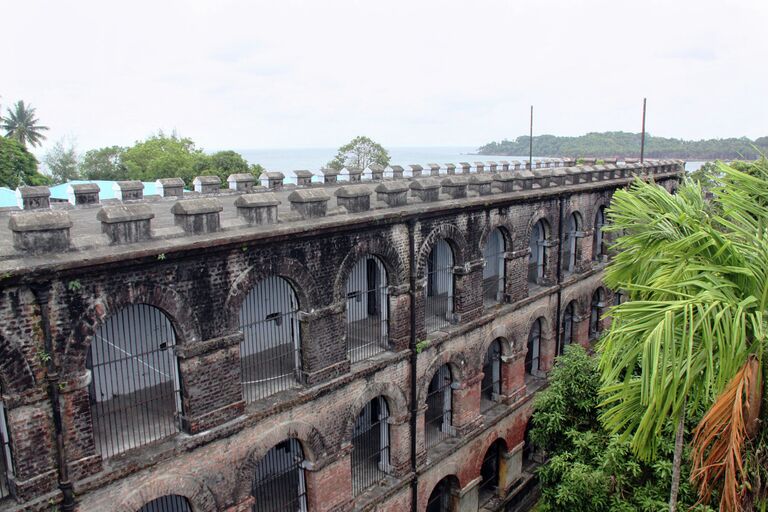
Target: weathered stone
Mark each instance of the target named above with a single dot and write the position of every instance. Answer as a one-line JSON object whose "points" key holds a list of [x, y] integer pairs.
{"points": [[481, 183], [198, 215], [504, 180], [258, 209], [465, 167], [309, 203], [455, 186], [33, 198], [243, 182], [272, 180], [397, 171], [303, 178], [394, 193], [42, 231], [330, 175], [355, 198], [170, 187], [416, 170], [126, 223], [450, 168], [434, 169], [426, 189], [83, 194], [479, 167], [128, 190], [207, 184]]}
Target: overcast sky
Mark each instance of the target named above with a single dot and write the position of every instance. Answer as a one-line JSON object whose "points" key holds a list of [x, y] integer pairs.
{"points": [[284, 74]]}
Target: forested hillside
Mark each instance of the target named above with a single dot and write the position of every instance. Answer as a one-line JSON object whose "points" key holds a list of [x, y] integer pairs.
{"points": [[625, 144]]}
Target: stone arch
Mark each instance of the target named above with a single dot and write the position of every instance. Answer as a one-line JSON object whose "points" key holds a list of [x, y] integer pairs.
{"points": [[456, 361], [200, 497], [170, 302], [480, 454], [581, 302], [393, 261], [302, 282], [455, 239], [506, 339], [504, 226], [396, 401], [450, 470], [312, 444], [548, 328], [549, 225]]}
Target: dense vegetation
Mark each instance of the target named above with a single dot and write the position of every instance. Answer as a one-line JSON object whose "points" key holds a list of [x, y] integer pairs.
{"points": [[624, 144], [589, 469], [359, 153], [18, 166]]}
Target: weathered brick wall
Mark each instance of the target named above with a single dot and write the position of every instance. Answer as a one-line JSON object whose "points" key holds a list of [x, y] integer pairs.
{"points": [[223, 438]]}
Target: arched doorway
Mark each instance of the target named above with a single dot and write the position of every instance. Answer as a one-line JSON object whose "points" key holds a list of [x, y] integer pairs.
{"points": [[599, 250], [168, 503], [569, 319], [270, 353], [278, 483], [438, 307], [439, 413], [442, 498], [134, 391], [494, 269], [370, 445], [490, 471], [367, 309], [572, 243], [490, 389], [595, 313], [534, 349], [537, 262]]}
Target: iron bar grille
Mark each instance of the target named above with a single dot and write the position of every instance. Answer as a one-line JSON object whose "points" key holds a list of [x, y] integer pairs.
{"points": [[534, 347], [438, 417], [595, 312], [270, 353], [537, 259], [438, 307], [599, 247], [440, 499], [567, 326], [5, 454], [489, 473], [134, 392], [278, 484], [494, 271], [370, 446], [168, 503], [367, 309], [491, 386], [571, 244]]}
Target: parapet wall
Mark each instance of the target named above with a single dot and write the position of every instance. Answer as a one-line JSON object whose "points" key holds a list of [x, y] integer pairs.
{"points": [[41, 228]]}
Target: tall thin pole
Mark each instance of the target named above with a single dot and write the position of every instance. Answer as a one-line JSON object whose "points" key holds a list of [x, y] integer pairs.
{"points": [[530, 147], [642, 137]]}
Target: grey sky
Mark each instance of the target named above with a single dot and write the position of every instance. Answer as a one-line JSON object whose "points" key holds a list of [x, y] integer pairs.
{"points": [[407, 73]]}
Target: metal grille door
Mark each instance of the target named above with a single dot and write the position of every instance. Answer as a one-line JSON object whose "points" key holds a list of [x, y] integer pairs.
{"points": [[493, 273], [570, 247], [568, 321], [599, 246], [270, 356], [278, 485], [438, 307], [489, 472], [537, 259], [440, 499], [438, 416], [367, 309], [5, 454], [134, 392], [491, 385], [534, 347], [169, 503], [596, 311], [370, 445]]}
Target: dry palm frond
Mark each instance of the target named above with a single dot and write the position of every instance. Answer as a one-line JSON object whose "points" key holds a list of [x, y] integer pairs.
{"points": [[719, 439]]}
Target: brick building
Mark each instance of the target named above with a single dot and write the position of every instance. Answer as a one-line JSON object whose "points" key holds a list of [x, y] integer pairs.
{"points": [[369, 343]]}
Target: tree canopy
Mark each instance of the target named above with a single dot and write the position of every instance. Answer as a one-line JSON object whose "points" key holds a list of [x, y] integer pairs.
{"points": [[359, 153], [22, 125], [63, 162], [104, 164], [18, 166], [624, 144]]}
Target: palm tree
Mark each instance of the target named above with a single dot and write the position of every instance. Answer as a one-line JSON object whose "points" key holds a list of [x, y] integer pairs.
{"points": [[21, 124], [691, 336]]}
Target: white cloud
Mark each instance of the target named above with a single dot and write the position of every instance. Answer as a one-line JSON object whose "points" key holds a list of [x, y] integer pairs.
{"points": [[310, 74]]}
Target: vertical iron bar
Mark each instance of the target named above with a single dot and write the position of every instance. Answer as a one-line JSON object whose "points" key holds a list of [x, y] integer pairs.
{"points": [[642, 137], [530, 142]]}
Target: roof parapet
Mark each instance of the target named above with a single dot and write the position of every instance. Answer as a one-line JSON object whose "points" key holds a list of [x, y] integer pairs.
{"points": [[128, 190], [83, 194], [426, 189], [198, 215], [355, 198], [33, 198], [258, 209], [394, 193], [41, 231], [309, 203], [170, 187], [126, 223], [243, 182], [455, 186], [482, 184], [207, 184]]}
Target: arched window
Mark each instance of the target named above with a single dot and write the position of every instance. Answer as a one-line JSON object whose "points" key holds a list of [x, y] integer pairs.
{"points": [[442, 497], [491, 386], [370, 445], [439, 293], [278, 483], [270, 353], [571, 243], [537, 263], [134, 391], [489, 471], [599, 242], [167, 503], [619, 297], [534, 349], [595, 312], [494, 271], [367, 308], [5, 452], [438, 420], [569, 319]]}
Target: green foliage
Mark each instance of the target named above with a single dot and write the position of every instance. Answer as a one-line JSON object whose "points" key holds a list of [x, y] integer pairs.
{"points": [[18, 166], [590, 470], [224, 163], [62, 162], [104, 164], [360, 153], [162, 156], [628, 144], [421, 346], [21, 124]]}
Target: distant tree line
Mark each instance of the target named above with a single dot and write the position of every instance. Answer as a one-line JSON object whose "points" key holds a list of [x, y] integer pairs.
{"points": [[625, 144]]}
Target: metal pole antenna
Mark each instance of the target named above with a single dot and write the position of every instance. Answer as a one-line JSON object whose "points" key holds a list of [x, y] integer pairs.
{"points": [[642, 137], [530, 147]]}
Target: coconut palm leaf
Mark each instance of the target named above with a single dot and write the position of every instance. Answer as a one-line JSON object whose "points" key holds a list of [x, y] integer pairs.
{"points": [[22, 124]]}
